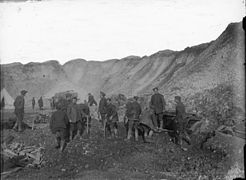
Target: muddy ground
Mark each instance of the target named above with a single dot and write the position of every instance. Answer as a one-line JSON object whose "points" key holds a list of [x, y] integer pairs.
{"points": [[100, 158]]}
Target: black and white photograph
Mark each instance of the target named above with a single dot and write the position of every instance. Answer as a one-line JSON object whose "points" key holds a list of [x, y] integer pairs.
{"points": [[122, 89]]}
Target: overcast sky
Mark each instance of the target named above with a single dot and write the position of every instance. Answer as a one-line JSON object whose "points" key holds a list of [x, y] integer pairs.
{"points": [[106, 29]]}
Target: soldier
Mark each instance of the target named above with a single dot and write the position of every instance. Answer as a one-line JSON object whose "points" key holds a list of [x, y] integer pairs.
{"points": [[102, 109], [85, 119], [133, 111], [33, 103], [19, 104], [59, 126], [40, 103], [180, 123], [2, 103], [92, 105], [112, 119], [91, 100], [157, 104], [73, 116], [147, 121]]}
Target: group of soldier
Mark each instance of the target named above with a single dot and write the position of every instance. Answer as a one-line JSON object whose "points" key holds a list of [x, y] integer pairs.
{"points": [[66, 123], [40, 103]]}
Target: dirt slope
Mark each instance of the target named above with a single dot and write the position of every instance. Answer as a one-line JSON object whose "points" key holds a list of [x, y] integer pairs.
{"points": [[185, 72]]}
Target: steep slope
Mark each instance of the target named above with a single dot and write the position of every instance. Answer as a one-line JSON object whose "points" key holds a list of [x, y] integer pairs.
{"points": [[37, 78], [185, 72]]}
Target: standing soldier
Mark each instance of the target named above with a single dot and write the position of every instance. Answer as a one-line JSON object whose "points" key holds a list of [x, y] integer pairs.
{"points": [[40, 103], [59, 126], [33, 103], [92, 105], [73, 116], [133, 111], [102, 109], [112, 119], [2, 103], [180, 123], [157, 104], [19, 104]]}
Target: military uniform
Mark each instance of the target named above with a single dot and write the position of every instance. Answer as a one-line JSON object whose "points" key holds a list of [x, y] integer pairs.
{"points": [[74, 116], [112, 119], [93, 106], [40, 103], [133, 111], [158, 104], [180, 124], [59, 125], [91, 100], [19, 111], [85, 116], [103, 109]]}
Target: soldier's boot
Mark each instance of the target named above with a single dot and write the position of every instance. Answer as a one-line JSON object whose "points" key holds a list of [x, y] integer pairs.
{"points": [[136, 134], [15, 126], [58, 141], [151, 133], [63, 145], [181, 145]]}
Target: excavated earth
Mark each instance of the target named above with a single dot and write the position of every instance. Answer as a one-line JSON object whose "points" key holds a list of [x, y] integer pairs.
{"points": [[100, 158]]}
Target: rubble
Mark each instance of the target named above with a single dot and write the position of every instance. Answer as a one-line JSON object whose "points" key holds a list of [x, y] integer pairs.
{"points": [[18, 155]]}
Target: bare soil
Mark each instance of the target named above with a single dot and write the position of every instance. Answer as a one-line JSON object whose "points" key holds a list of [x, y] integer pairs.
{"points": [[100, 158]]}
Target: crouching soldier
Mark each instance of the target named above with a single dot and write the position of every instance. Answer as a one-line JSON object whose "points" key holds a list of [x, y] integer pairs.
{"points": [[59, 126], [133, 111], [146, 121], [180, 123], [112, 119]]}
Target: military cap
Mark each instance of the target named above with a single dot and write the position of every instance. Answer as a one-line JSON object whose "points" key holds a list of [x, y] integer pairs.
{"points": [[23, 92], [155, 88], [178, 98], [89, 94], [102, 93]]}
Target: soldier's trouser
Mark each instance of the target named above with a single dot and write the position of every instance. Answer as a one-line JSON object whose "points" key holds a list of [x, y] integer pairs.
{"points": [[19, 117], [80, 128], [103, 118], [133, 124], [181, 134], [61, 139], [72, 129], [158, 120], [112, 126], [93, 111]]}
